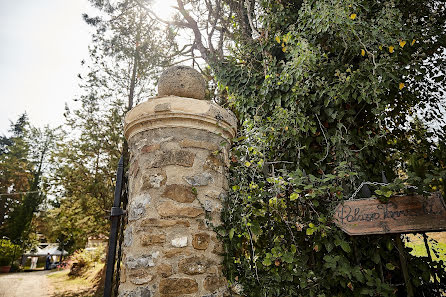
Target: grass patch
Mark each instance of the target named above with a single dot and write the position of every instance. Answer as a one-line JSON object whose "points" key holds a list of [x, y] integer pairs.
{"points": [[436, 242], [65, 286]]}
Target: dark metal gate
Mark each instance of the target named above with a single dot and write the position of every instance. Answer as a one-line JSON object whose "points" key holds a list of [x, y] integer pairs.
{"points": [[118, 222]]}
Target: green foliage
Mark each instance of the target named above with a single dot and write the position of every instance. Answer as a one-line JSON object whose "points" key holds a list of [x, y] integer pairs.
{"points": [[23, 166], [84, 259], [128, 52], [126, 56], [15, 169], [84, 171], [8, 251], [330, 95]]}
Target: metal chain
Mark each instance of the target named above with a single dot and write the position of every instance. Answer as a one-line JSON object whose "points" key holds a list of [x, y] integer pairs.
{"points": [[374, 184], [366, 183]]}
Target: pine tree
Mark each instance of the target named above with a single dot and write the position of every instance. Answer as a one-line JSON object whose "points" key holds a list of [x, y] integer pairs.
{"points": [[24, 165], [126, 56]]}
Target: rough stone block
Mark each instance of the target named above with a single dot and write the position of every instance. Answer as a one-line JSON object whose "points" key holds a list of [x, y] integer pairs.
{"points": [[171, 287], [137, 207], [168, 209], [194, 265], [152, 178], [218, 248], [156, 180], [201, 241], [212, 283], [140, 277], [208, 205], [179, 242], [179, 193], [134, 168], [165, 270], [138, 292], [151, 222], [214, 163], [153, 239], [176, 252], [144, 261], [128, 238], [204, 224], [199, 144], [178, 157], [201, 179], [150, 148]]}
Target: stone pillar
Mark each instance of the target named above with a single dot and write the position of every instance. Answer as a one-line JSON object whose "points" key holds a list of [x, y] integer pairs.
{"points": [[177, 178]]}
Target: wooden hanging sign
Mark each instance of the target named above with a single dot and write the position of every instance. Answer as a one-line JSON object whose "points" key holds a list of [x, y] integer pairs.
{"points": [[402, 214]]}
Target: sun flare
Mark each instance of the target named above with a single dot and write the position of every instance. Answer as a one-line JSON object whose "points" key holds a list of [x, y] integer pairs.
{"points": [[164, 8]]}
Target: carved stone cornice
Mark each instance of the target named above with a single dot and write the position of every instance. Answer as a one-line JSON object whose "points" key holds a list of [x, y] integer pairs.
{"points": [[173, 111]]}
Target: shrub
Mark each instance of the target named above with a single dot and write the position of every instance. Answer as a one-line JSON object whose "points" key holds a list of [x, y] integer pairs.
{"points": [[83, 259], [7, 252]]}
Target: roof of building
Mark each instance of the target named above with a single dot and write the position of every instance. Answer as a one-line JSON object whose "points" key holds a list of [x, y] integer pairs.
{"points": [[51, 248]]}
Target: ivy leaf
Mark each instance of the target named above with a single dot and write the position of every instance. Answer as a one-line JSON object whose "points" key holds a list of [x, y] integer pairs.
{"points": [[376, 258], [267, 262], [294, 196], [389, 245], [293, 249], [358, 274], [345, 246], [329, 246], [288, 257], [255, 228], [390, 266], [231, 233]]}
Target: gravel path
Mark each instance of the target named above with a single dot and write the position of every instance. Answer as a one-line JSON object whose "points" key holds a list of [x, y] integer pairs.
{"points": [[24, 284]]}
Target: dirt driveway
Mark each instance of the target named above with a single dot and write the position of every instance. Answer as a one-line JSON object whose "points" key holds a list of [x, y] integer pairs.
{"points": [[28, 284]]}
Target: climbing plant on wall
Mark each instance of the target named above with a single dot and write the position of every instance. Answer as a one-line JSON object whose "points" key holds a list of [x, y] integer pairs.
{"points": [[331, 94]]}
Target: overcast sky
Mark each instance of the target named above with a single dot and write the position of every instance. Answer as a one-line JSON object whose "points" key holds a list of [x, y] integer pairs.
{"points": [[42, 43]]}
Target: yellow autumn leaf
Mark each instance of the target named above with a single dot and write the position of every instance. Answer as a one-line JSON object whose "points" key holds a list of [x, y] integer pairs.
{"points": [[413, 42], [362, 52], [380, 47], [391, 49], [286, 128], [401, 86], [402, 43], [353, 16], [247, 163], [285, 38], [277, 39], [284, 49]]}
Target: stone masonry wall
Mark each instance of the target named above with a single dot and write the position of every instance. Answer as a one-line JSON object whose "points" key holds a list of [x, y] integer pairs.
{"points": [[176, 185]]}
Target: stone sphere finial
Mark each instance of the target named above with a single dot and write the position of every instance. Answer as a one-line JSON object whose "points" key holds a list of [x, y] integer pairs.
{"points": [[182, 81]]}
